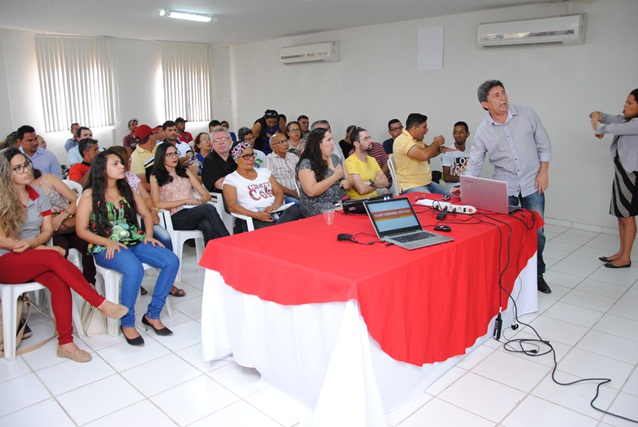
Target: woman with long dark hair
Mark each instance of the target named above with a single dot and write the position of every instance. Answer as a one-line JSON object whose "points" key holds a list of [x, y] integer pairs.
{"points": [[25, 228], [172, 188], [323, 180], [624, 153], [107, 219]]}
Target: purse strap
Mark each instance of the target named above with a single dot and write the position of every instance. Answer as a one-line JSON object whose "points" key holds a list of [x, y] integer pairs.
{"points": [[29, 304]]}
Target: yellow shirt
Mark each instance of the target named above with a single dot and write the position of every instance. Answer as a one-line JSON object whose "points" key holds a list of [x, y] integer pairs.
{"points": [[139, 157], [410, 172], [366, 170]]}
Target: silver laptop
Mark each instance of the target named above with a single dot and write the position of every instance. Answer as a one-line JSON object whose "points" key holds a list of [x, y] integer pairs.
{"points": [[485, 194], [395, 222]]}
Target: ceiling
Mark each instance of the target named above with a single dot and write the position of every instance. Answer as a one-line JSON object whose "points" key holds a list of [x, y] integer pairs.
{"points": [[238, 21]]}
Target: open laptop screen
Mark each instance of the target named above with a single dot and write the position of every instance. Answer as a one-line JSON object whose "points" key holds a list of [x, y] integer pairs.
{"points": [[393, 216]]}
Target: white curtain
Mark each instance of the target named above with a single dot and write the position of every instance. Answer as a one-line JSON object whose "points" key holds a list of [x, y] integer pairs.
{"points": [[186, 72], [76, 80]]}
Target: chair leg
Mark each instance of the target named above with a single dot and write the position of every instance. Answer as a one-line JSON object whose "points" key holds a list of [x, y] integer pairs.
{"points": [[9, 314], [112, 293], [178, 250]]}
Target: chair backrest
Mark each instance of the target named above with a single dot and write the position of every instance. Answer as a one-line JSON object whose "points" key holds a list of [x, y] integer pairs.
{"points": [[217, 200], [73, 185], [394, 188]]}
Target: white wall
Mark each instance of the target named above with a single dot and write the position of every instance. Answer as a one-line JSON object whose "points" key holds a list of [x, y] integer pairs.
{"points": [[377, 79]]}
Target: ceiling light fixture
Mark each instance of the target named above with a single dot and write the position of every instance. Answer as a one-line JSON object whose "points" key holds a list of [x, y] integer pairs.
{"points": [[189, 16]]}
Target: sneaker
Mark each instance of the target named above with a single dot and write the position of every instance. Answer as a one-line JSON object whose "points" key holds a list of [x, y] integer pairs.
{"points": [[543, 286]]}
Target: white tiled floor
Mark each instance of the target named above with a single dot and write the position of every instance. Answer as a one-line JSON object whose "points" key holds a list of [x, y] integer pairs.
{"points": [[591, 318]]}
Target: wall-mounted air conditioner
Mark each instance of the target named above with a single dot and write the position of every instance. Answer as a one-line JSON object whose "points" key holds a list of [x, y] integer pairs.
{"points": [[561, 29], [318, 52]]}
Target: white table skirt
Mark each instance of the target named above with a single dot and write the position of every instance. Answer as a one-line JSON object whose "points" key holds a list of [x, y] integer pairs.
{"points": [[322, 355]]}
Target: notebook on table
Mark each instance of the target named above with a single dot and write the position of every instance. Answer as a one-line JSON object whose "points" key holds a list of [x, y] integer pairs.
{"points": [[395, 222], [486, 194]]}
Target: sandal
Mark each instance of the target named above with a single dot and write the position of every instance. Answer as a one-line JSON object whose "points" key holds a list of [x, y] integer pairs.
{"points": [[177, 292]]}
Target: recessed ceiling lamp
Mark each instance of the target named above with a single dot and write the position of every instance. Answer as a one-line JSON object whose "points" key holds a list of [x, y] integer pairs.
{"points": [[189, 16]]}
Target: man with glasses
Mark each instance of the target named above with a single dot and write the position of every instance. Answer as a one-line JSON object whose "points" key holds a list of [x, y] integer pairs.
{"points": [[369, 179], [219, 162], [394, 129], [282, 163], [41, 159]]}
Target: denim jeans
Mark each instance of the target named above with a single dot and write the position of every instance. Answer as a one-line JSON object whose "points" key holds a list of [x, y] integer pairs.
{"points": [[291, 214], [128, 262], [203, 217], [432, 187], [161, 234], [534, 202]]}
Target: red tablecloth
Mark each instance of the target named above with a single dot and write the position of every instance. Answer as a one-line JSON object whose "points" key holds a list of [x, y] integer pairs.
{"points": [[421, 306]]}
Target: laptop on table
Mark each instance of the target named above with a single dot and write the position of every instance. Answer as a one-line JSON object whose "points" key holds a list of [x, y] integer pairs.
{"points": [[486, 194], [395, 222]]}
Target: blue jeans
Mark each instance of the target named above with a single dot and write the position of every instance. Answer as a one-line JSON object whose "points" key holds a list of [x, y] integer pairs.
{"points": [[290, 199], [161, 234], [432, 187], [203, 217], [534, 202], [128, 262]]}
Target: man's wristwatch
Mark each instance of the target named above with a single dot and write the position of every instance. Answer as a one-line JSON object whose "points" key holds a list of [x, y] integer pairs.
{"points": [[371, 183]]}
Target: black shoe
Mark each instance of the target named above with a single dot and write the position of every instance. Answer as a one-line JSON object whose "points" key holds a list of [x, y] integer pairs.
{"points": [[604, 259], [543, 286], [163, 332], [610, 265], [137, 341]]}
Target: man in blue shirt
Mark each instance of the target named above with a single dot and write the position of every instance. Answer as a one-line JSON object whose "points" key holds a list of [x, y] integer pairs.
{"points": [[41, 159], [520, 151]]}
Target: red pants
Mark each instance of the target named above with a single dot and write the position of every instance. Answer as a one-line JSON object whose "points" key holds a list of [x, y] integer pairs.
{"points": [[56, 273]]}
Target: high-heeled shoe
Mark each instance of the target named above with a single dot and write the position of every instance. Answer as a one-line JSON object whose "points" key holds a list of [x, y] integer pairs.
{"points": [[163, 332], [137, 341]]}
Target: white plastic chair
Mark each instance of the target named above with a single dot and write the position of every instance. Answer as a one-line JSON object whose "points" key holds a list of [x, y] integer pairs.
{"points": [[73, 185], [179, 237], [394, 188], [9, 295], [111, 281], [217, 200]]}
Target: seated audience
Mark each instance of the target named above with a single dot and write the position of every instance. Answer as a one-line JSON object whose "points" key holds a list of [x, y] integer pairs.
{"points": [[346, 144], [25, 228], [219, 162], [182, 135], [246, 135], [130, 141], [72, 142], [159, 232], [264, 128], [172, 187], [394, 129], [454, 163], [73, 154], [282, 164], [44, 160], [323, 181], [304, 124], [213, 124], [254, 192], [412, 157], [144, 153], [367, 177], [202, 146], [225, 124], [88, 149], [63, 206], [296, 143], [107, 219]]}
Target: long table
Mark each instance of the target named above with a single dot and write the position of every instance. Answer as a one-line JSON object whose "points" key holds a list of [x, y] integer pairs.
{"points": [[354, 331]]}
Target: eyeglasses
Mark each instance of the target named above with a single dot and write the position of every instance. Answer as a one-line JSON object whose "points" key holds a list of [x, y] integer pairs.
{"points": [[23, 167], [396, 128], [218, 140], [283, 141], [248, 156], [294, 130], [172, 154]]}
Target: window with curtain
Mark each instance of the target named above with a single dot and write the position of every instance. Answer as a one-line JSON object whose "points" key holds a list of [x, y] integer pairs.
{"points": [[186, 70], [76, 81]]}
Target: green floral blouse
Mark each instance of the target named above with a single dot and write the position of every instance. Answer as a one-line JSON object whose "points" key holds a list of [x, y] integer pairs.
{"points": [[123, 229]]}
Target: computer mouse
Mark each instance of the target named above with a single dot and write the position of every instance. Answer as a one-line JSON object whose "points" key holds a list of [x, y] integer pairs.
{"points": [[442, 228]]}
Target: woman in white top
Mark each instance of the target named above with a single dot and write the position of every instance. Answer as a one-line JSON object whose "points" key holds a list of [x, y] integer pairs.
{"points": [[254, 192], [172, 188]]}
